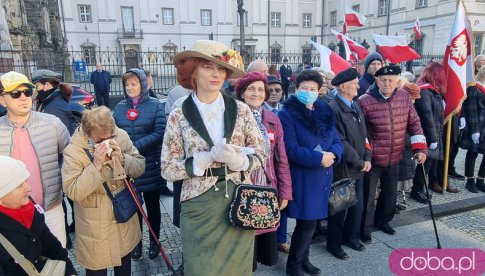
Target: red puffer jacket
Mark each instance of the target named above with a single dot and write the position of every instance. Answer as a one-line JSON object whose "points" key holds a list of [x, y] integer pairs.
{"points": [[387, 122]]}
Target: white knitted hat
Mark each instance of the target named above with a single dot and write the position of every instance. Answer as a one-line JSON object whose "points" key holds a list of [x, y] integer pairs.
{"points": [[12, 173]]}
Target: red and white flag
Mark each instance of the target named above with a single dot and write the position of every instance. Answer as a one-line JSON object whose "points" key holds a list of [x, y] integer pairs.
{"points": [[458, 63], [417, 29], [353, 18], [359, 50], [395, 48], [329, 60]]}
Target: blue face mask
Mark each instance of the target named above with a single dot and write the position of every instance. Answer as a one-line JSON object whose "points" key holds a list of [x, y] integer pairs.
{"points": [[306, 97]]}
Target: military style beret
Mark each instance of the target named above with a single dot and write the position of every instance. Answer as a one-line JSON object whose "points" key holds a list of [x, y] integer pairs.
{"points": [[388, 70], [345, 76]]}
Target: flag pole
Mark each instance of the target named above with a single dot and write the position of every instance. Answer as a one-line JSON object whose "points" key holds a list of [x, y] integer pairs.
{"points": [[447, 153]]}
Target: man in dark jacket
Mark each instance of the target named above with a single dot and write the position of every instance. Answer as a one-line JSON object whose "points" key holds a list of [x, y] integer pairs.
{"points": [[101, 79], [285, 73], [344, 227], [388, 113], [372, 63]]}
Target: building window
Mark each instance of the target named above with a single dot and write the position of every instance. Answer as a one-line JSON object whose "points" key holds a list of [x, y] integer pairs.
{"points": [[128, 21], [306, 50], [356, 8], [167, 16], [478, 44], [206, 17], [418, 46], [421, 3], [276, 19], [333, 18], [307, 20], [89, 54], [382, 8], [245, 19], [85, 13]]}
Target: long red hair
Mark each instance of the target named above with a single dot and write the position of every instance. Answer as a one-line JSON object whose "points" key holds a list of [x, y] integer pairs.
{"points": [[434, 74]]}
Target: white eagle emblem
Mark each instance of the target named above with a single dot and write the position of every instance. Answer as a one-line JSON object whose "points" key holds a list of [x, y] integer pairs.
{"points": [[459, 48]]}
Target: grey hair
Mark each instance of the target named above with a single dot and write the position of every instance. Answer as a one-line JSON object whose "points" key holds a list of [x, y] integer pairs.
{"points": [[478, 57], [254, 63]]}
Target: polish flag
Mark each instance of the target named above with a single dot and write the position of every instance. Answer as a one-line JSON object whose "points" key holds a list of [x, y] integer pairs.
{"points": [[395, 48], [458, 63], [417, 29], [353, 18], [329, 60], [357, 49]]}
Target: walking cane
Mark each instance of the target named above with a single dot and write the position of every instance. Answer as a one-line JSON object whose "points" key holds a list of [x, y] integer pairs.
{"points": [[130, 187], [431, 207]]}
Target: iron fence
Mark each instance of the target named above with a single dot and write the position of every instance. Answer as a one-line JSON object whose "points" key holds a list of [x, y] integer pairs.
{"points": [[77, 66]]}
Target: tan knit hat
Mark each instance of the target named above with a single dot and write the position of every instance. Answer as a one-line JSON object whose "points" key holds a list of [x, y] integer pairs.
{"points": [[12, 173]]}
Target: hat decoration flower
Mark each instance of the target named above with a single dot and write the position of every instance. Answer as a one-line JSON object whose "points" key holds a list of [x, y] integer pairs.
{"points": [[231, 57]]}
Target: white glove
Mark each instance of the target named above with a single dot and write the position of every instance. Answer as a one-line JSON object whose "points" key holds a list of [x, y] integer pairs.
{"points": [[433, 146], [239, 162], [462, 123], [222, 152], [476, 138], [203, 160]]}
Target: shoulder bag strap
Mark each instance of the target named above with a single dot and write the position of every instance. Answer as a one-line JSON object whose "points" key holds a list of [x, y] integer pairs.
{"points": [[108, 191], [26, 265]]}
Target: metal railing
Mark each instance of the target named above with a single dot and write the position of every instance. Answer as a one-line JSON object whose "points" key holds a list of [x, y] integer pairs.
{"points": [[77, 66]]}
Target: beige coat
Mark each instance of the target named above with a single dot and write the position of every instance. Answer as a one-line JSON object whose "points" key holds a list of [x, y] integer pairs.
{"points": [[101, 242]]}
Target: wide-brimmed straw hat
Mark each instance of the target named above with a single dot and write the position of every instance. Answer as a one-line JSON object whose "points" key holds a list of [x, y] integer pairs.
{"points": [[212, 51]]}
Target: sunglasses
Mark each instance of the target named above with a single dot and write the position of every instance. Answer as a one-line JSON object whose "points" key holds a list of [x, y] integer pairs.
{"points": [[15, 94]]}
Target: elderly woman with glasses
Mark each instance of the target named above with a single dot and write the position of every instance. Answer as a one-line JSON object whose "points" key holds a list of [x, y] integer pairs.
{"points": [[100, 153]]}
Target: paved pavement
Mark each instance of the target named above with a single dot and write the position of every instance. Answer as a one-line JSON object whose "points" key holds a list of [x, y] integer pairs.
{"points": [[414, 229]]}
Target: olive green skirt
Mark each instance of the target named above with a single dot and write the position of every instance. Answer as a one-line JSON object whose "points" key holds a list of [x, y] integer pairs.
{"points": [[211, 245]]}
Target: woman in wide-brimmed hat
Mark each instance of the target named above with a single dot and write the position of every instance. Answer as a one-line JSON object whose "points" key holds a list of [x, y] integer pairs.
{"points": [[202, 147]]}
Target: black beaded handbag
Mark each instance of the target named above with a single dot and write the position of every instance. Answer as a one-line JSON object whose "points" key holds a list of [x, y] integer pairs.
{"points": [[255, 206]]}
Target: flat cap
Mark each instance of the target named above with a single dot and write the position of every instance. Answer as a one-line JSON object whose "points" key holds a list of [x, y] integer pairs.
{"points": [[273, 79], [388, 70], [345, 76]]}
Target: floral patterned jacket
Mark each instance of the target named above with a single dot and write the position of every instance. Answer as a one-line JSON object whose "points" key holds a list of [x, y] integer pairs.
{"points": [[186, 134]]}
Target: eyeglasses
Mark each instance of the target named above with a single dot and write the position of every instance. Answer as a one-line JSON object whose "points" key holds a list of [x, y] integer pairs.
{"points": [[101, 140], [15, 94], [276, 90]]}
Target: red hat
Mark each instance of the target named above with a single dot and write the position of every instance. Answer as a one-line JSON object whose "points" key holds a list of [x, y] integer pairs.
{"points": [[243, 83]]}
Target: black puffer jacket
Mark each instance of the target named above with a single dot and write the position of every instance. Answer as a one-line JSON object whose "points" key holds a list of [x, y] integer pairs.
{"points": [[146, 132], [32, 243], [431, 111]]}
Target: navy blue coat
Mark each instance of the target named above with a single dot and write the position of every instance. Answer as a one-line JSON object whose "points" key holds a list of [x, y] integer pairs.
{"points": [[58, 105], [365, 82], [101, 80], [146, 132], [304, 130]]}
